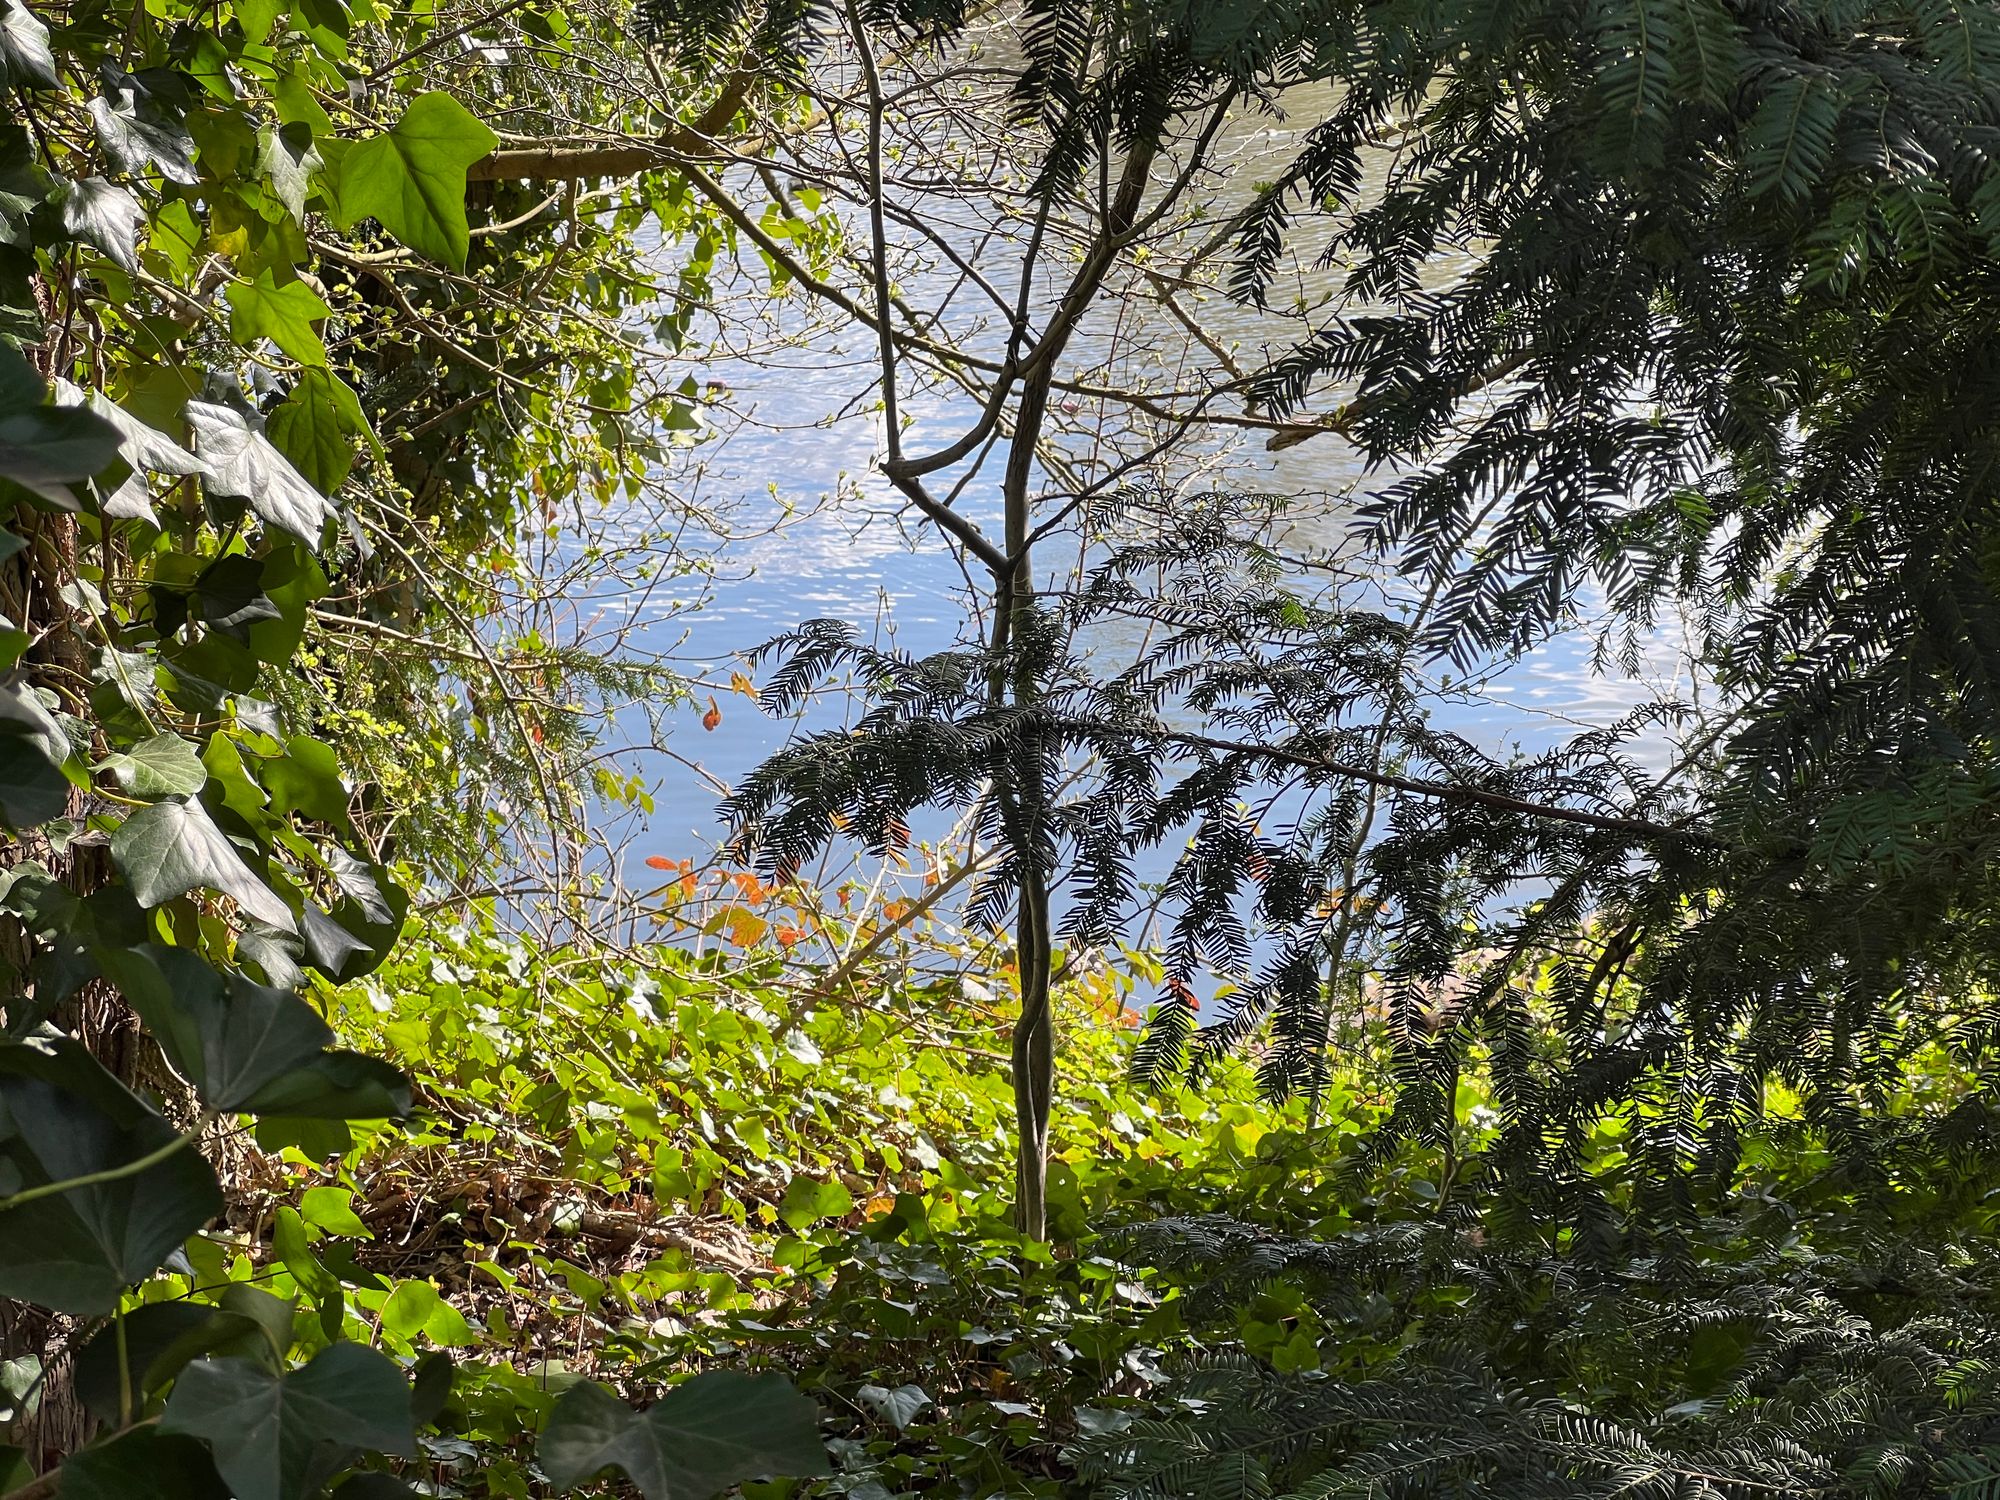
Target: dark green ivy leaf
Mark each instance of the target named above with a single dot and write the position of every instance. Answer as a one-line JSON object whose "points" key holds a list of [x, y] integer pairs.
{"points": [[47, 448], [374, 1486], [229, 595], [78, 1250], [160, 1340], [707, 1434], [33, 747], [102, 214], [33, 788], [173, 847], [142, 1464], [227, 1036], [25, 58], [132, 143], [337, 1086], [279, 1437], [144, 449], [277, 955]]}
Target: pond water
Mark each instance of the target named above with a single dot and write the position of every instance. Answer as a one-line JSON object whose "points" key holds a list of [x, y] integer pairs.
{"points": [[821, 534]]}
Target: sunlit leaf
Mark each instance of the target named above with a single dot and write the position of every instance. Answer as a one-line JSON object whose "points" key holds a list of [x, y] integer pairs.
{"points": [[107, 216], [245, 464], [285, 315], [164, 766], [412, 177], [172, 847]]}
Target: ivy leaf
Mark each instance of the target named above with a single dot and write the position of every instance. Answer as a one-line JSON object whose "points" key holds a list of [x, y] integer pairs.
{"points": [[173, 846], [288, 157], [102, 214], [25, 58], [33, 751], [336, 1086], [332, 1209], [140, 446], [412, 178], [900, 1406], [306, 779], [279, 1437], [361, 883], [277, 954], [140, 1464], [78, 1250], [246, 465], [227, 1036], [47, 448], [330, 946], [409, 1307], [160, 1339], [262, 309], [309, 430], [132, 144], [33, 788], [707, 1434], [164, 766], [374, 1485]]}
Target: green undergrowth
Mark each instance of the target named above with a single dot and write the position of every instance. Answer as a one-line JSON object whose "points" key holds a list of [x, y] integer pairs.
{"points": [[626, 1166]]}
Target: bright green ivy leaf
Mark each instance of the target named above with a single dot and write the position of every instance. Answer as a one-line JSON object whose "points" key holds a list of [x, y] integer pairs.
{"points": [[806, 1202], [332, 1209], [309, 430], [446, 1326], [297, 105], [412, 177], [409, 1308], [285, 315]]}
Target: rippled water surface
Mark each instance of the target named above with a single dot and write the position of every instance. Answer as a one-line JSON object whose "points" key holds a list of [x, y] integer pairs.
{"points": [[824, 536]]}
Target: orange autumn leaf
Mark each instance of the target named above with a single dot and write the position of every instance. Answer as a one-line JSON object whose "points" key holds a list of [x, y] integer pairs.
{"points": [[790, 935], [713, 718], [659, 862], [740, 683]]}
